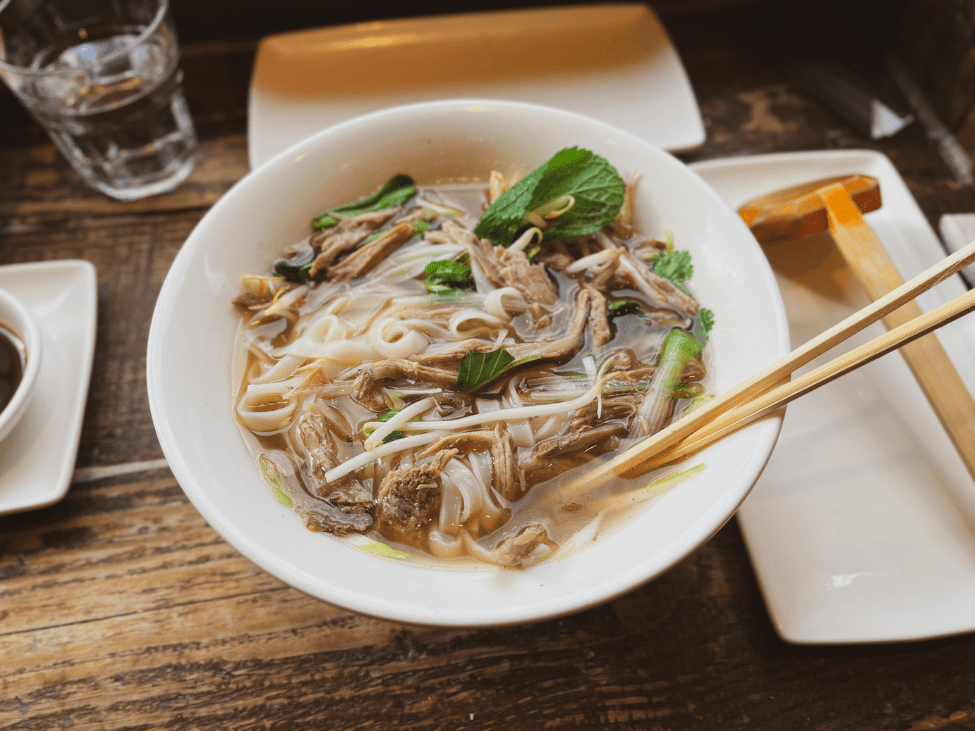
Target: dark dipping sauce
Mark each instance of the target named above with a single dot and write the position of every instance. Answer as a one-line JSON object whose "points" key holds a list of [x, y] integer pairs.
{"points": [[12, 357]]}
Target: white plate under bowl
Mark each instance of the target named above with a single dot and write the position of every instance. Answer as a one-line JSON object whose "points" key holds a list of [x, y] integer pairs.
{"points": [[862, 527], [611, 62], [37, 457], [193, 326]]}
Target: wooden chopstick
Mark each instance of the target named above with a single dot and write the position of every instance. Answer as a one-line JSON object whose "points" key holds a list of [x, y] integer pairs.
{"points": [[635, 460], [779, 396]]}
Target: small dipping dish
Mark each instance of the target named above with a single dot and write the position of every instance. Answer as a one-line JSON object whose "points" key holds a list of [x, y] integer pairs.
{"points": [[20, 359]]}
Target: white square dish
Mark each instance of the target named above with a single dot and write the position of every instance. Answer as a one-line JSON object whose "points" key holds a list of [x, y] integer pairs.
{"points": [[861, 527], [37, 457], [629, 75]]}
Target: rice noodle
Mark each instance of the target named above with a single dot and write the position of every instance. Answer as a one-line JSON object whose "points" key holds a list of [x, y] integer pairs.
{"points": [[521, 431], [393, 338], [505, 303], [467, 484], [470, 323]]}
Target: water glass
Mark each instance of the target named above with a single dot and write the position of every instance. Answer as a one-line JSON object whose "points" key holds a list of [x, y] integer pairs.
{"points": [[103, 78]]}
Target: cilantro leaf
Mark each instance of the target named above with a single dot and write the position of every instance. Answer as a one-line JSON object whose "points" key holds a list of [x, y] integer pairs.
{"points": [[707, 322], [707, 318], [594, 184], [399, 189], [675, 266], [446, 275], [479, 369]]}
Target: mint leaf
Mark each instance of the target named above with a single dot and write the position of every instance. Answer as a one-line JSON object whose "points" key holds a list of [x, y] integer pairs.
{"points": [[675, 266], [446, 275], [399, 189], [479, 369], [593, 183]]}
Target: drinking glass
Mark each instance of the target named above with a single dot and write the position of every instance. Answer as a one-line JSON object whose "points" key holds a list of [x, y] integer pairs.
{"points": [[103, 78]]}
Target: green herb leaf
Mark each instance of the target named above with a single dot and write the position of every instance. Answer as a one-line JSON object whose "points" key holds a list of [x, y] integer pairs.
{"points": [[624, 307], [675, 266], [393, 435], [292, 272], [446, 275], [479, 369], [418, 227], [594, 184], [381, 549], [271, 475], [399, 189], [669, 482]]}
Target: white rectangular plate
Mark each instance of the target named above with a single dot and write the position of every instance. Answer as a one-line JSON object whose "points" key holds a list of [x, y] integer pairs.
{"points": [[861, 527], [37, 457], [612, 62]]}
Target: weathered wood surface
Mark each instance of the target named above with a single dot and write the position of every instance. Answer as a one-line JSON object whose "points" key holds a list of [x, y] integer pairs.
{"points": [[121, 609]]}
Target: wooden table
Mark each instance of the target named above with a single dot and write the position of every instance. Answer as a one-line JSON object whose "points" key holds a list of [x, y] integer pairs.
{"points": [[120, 608]]}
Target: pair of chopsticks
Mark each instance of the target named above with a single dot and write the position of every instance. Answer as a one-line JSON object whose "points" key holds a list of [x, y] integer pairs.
{"points": [[771, 388]]}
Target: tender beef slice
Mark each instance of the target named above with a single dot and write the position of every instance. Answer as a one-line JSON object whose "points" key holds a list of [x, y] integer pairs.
{"points": [[530, 279], [554, 456], [600, 332], [580, 440], [409, 499], [505, 478], [618, 406], [363, 260], [346, 493], [346, 235], [521, 549], [567, 345], [367, 382], [452, 355], [506, 268], [327, 518]]}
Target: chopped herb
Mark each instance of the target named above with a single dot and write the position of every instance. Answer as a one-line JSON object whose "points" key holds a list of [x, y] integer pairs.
{"points": [[624, 307], [396, 192], [573, 194], [418, 227], [707, 322], [675, 266], [447, 275], [293, 272], [271, 475], [382, 549], [479, 369], [671, 481], [393, 435]]}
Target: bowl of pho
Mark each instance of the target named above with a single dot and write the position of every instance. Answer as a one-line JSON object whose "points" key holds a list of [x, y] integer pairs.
{"points": [[385, 365]]}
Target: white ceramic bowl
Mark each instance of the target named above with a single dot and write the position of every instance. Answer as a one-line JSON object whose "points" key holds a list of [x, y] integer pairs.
{"points": [[17, 318], [192, 333]]}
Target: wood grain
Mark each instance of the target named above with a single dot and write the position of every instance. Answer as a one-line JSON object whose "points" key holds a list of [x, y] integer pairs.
{"points": [[121, 609]]}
